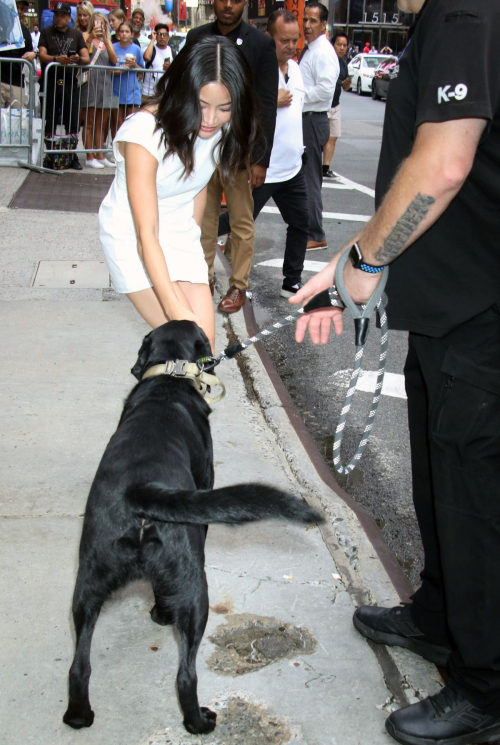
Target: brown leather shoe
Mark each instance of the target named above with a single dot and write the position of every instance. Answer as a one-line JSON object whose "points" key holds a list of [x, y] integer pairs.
{"points": [[316, 245], [233, 300], [211, 284]]}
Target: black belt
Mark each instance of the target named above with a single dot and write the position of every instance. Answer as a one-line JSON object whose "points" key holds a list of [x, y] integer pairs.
{"points": [[314, 113]]}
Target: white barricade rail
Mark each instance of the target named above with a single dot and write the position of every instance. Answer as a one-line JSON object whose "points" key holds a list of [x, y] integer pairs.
{"points": [[89, 103], [20, 130]]}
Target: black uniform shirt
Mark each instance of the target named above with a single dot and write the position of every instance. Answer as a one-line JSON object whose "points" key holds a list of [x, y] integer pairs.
{"points": [[448, 71]]}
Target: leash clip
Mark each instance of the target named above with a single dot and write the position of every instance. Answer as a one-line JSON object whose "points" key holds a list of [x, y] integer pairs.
{"points": [[207, 363], [175, 368]]}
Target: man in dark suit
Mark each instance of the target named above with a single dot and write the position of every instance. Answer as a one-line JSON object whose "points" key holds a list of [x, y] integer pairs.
{"points": [[260, 52]]}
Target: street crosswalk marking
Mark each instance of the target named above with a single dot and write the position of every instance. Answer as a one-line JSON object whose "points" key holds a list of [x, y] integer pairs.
{"points": [[328, 215], [394, 383], [348, 184], [309, 266]]}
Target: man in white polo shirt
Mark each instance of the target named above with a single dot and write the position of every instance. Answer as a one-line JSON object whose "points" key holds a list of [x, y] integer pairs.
{"points": [[319, 66], [285, 179]]}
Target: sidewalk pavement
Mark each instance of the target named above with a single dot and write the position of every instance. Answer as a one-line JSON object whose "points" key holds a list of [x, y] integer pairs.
{"points": [[280, 660]]}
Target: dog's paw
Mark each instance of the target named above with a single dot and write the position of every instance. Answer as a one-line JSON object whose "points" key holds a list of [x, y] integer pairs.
{"points": [[203, 724], [78, 718]]}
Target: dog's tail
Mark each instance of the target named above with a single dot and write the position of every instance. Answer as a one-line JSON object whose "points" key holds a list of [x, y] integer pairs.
{"points": [[233, 505]]}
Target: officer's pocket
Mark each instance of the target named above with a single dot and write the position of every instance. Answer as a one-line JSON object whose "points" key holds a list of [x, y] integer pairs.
{"points": [[465, 422]]}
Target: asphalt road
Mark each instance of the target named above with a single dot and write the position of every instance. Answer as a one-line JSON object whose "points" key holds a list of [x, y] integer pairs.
{"points": [[316, 377]]}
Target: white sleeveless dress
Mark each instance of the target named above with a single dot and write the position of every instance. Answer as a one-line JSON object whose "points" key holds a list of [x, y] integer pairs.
{"points": [[179, 234]]}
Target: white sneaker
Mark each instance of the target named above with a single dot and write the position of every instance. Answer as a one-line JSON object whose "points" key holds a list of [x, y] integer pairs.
{"points": [[93, 163], [107, 163]]}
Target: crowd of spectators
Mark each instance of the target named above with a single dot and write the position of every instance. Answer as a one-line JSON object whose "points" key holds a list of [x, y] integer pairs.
{"points": [[94, 102]]}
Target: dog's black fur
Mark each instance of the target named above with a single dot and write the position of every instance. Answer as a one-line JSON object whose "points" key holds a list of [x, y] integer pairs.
{"points": [[147, 513]]}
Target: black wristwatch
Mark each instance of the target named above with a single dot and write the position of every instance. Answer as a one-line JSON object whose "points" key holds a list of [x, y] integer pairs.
{"points": [[359, 263]]}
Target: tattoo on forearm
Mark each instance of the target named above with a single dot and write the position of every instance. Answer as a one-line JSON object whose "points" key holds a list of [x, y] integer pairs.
{"points": [[404, 228]]}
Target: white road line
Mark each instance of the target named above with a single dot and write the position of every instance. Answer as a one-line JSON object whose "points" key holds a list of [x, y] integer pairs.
{"points": [[309, 266], [326, 185], [354, 185], [328, 215], [394, 384]]}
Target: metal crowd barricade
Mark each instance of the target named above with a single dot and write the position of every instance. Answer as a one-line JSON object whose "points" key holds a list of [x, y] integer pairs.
{"points": [[18, 123], [90, 112]]}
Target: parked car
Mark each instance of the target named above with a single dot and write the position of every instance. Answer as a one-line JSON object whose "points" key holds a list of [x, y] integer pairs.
{"points": [[361, 70], [382, 77]]}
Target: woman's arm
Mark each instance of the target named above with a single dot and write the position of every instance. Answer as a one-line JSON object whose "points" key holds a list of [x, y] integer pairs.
{"points": [[140, 169], [200, 202]]}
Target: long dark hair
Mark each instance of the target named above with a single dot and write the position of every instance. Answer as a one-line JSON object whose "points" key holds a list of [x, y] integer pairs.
{"points": [[212, 59]]}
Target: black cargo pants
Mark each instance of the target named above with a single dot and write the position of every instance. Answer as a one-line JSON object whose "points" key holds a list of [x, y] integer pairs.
{"points": [[453, 387]]}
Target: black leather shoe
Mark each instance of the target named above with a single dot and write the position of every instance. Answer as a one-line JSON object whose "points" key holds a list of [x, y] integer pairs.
{"points": [[444, 719], [395, 627]]}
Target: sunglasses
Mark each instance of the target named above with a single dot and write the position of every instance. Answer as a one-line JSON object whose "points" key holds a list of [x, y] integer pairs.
{"points": [[160, 34]]}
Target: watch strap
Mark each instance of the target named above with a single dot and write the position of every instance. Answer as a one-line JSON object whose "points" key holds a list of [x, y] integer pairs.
{"points": [[359, 263]]}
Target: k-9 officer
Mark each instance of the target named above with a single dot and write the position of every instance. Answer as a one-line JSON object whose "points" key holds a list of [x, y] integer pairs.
{"points": [[438, 224]]}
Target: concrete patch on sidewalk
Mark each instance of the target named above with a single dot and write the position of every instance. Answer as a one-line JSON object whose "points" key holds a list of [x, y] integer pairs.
{"points": [[249, 642]]}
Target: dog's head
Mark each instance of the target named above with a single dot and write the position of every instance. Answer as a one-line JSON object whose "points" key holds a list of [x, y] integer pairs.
{"points": [[175, 340]]}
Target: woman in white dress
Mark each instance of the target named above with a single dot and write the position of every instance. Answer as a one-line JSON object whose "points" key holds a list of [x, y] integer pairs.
{"points": [[204, 116]]}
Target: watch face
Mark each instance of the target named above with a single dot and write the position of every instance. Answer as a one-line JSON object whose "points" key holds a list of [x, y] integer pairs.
{"points": [[355, 255]]}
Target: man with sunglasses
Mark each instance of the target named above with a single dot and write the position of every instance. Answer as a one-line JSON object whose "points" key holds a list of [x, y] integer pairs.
{"points": [[157, 57]]}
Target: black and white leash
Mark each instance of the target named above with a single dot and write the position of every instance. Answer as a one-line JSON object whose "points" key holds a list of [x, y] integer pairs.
{"points": [[336, 296]]}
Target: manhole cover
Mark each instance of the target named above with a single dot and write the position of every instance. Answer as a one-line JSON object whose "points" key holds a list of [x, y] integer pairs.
{"points": [[249, 643], [78, 274]]}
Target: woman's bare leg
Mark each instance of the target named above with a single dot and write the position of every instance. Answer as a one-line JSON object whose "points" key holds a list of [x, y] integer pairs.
{"points": [[101, 127], [148, 306], [113, 123], [199, 298], [88, 127]]}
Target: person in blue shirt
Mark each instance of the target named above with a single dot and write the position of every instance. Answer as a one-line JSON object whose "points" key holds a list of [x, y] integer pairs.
{"points": [[126, 85]]}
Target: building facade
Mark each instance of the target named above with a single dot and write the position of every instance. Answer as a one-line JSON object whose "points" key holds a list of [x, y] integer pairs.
{"points": [[379, 22]]}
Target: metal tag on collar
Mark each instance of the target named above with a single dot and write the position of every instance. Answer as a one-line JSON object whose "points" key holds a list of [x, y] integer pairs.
{"points": [[175, 368]]}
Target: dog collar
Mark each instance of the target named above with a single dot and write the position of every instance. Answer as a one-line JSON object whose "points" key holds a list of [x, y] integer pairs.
{"points": [[201, 380]]}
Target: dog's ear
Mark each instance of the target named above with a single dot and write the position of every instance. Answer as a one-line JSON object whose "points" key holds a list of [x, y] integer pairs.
{"points": [[138, 368], [202, 345]]}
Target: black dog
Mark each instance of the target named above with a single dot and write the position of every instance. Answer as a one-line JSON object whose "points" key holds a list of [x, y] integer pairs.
{"points": [[147, 513]]}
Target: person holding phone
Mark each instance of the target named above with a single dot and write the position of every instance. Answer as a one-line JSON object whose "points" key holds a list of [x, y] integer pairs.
{"points": [[126, 86], [97, 94], [66, 46], [157, 57]]}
